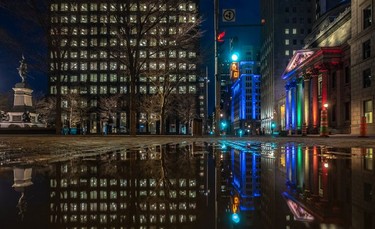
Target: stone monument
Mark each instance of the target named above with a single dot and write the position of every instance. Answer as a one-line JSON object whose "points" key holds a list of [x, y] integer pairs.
{"points": [[22, 113]]}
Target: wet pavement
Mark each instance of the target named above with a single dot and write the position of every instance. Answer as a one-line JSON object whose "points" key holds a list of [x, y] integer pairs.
{"points": [[42, 144]]}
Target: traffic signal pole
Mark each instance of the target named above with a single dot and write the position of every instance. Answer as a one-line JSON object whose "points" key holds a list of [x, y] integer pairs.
{"points": [[217, 78]]}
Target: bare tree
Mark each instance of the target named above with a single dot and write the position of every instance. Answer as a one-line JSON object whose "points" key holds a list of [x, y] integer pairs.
{"points": [[46, 110], [134, 28], [186, 108], [74, 108], [109, 107]]}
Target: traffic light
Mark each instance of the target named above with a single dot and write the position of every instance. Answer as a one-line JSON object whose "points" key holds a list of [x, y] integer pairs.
{"points": [[234, 52], [235, 209], [234, 56], [234, 71]]}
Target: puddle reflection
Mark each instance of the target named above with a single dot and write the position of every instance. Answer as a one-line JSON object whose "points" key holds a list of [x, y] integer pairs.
{"points": [[241, 184]]}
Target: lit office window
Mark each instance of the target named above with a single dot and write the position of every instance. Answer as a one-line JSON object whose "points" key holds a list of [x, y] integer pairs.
{"points": [[93, 90], [113, 90], [287, 53], [192, 7], [73, 78], [103, 90], [367, 110], [93, 65], [162, 65], [54, 7], [172, 66], [143, 89], [73, 66], [153, 89], [192, 78], [103, 66], [83, 54], [84, 19], [182, 66], [93, 30], [172, 54], [103, 19], [53, 90], [192, 89], [286, 41], [93, 19], [172, 30], [103, 7], [113, 77], [182, 89], [294, 31], [286, 31], [84, 66], [123, 89], [93, 77], [64, 7], [192, 19], [192, 54], [192, 66], [94, 42]]}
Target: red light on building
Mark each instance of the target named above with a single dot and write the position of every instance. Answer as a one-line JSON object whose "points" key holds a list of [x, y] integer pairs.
{"points": [[220, 37]]}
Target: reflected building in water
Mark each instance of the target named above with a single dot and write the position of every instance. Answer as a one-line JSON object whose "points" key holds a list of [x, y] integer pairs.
{"points": [[147, 188], [363, 179], [245, 166], [320, 186]]}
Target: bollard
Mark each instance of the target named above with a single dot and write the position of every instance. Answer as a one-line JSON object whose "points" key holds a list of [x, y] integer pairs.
{"points": [[324, 123], [304, 129], [363, 127]]}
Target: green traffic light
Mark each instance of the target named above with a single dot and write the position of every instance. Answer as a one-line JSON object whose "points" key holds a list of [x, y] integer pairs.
{"points": [[235, 56], [235, 218]]}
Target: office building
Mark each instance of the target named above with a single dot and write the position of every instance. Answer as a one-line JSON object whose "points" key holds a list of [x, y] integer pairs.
{"points": [[245, 108], [362, 66], [286, 25], [95, 55]]}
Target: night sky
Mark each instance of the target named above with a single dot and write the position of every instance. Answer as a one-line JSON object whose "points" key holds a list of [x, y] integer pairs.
{"points": [[26, 41]]}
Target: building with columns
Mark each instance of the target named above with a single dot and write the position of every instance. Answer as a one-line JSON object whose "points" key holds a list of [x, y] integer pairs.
{"points": [[317, 78]]}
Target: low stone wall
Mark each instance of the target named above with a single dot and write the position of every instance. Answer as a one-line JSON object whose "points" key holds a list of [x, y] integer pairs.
{"points": [[32, 130]]}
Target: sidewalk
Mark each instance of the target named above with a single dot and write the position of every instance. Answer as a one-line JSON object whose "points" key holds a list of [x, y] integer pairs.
{"points": [[52, 143]]}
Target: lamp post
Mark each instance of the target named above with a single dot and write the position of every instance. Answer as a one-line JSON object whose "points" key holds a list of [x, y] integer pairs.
{"points": [[217, 80], [324, 121]]}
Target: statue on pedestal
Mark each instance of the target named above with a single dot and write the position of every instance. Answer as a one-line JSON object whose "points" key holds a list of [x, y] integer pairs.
{"points": [[22, 69]]}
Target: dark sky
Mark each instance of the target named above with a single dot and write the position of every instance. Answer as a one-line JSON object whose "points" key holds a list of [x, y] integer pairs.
{"points": [[247, 12]]}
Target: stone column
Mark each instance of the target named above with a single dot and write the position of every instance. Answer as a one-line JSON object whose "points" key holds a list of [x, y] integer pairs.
{"points": [[293, 104], [315, 102], [306, 98], [299, 104], [287, 106]]}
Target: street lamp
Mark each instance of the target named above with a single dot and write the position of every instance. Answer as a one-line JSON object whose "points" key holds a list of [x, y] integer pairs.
{"points": [[324, 121], [217, 80]]}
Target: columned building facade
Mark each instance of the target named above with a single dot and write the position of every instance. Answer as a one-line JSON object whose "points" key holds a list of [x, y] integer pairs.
{"points": [[286, 26], [317, 79]]}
